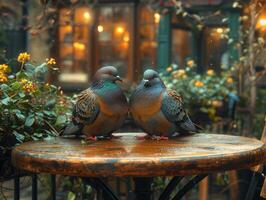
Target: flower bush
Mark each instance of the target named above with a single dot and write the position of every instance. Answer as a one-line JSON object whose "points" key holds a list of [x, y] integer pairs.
{"points": [[31, 109], [206, 92]]}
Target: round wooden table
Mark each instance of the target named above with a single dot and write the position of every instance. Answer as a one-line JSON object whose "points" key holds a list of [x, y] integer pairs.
{"points": [[128, 156]]}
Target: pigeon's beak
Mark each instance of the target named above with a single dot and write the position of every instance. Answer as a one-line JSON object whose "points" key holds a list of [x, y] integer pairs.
{"points": [[146, 82], [118, 78]]}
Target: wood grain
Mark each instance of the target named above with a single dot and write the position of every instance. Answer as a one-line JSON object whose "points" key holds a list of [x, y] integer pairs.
{"points": [[127, 156]]}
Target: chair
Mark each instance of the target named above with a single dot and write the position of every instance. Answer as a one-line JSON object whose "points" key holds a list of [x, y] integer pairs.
{"points": [[257, 186]]}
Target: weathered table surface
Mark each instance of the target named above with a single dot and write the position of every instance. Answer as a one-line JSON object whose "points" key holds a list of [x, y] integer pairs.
{"points": [[127, 156]]}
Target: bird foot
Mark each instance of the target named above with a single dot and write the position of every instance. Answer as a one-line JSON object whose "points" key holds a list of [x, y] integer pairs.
{"points": [[142, 137], [91, 138], [160, 138]]}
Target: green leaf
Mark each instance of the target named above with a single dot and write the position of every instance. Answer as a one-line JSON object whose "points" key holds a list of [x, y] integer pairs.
{"points": [[50, 103], [38, 135], [21, 94], [29, 120], [49, 113], [5, 101], [19, 136], [29, 68], [71, 196], [15, 85], [4, 86], [41, 69], [20, 116], [61, 119]]}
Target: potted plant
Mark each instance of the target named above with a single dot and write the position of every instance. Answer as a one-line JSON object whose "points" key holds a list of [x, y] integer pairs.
{"points": [[31, 109]]}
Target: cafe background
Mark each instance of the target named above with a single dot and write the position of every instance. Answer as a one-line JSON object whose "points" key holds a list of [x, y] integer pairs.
{"points": [[83, 35], [131, 35]]}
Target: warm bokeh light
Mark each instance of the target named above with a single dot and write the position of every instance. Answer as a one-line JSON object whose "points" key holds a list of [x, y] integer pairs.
{"points": [[119, 30], [126, 38], [68, 28], [157, 17], [100, 28], [79, 46], [262, 22], [219, 30], [87, 16]]}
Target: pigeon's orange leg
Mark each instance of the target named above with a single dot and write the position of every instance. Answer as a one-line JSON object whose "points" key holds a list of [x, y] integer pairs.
{"points": [[142, 137], [159, 137], [91, 138]]}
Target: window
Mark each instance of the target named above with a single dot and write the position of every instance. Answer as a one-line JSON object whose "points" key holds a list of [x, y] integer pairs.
{"points": [[114, 34], [148, 25], [74, 38], [216, 53], [181, 46]]}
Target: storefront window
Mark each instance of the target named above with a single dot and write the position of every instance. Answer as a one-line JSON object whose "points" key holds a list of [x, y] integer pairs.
{"points": [[114, 30], [148, 25], [216, 53], [74, 37], [181, 46]]}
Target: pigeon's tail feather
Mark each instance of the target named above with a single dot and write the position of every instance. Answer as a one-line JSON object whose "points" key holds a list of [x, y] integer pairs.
{"points": [[72, 129], [188, 125]]}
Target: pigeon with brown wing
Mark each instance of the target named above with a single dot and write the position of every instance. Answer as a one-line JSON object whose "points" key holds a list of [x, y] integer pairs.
{"points": [[158, 110], [101, 109]]}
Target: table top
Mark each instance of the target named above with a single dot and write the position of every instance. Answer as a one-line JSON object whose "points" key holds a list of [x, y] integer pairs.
{"points": [[128, 156]]}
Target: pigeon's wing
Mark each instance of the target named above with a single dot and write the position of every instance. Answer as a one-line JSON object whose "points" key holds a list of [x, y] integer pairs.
{"points": [[172, 108], [85, 112], [86, 108]]}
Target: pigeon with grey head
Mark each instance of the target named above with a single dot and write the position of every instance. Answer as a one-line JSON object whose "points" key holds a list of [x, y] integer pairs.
{"points": [[158, 110], [101, 109]]}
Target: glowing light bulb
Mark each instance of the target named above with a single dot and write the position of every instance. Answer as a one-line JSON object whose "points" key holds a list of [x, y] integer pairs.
{"points": [[100, 28], [87, 16], [79, 46], [157, 17], [219, 30], [120, 29], [126, 38], [262, 22]]}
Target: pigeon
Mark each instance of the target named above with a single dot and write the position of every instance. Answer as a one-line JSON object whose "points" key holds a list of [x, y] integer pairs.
{"points": [[101, 109], [158, 110]]}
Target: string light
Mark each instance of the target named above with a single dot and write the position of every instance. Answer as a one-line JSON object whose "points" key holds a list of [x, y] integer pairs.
{"points": [[262, 22], [100, 28], [120, 30], [219, 30], [87, 16], [79, 46], [157, 17]]}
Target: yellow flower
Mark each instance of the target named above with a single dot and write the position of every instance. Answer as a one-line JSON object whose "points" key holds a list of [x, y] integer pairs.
{"points": [[180, 73], [229, 80], [3, 77], [190, 63], [210, 72], [23, 81], [198, 84], [3, 68], [169, 69], [50, 61], [23, 57], [29, 87]]}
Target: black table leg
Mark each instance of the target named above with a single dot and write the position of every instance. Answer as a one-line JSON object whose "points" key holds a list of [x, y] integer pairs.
{"points": [[99, 185], [170, 187], [16, 187], [34, 183], [191, 184], [53, 186], [143, 188]]}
